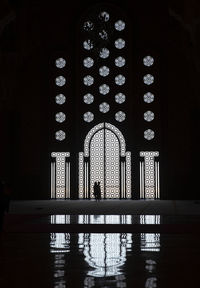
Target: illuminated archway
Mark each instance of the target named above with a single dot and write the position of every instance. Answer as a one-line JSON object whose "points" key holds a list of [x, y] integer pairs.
{"points": [[105, 159]]}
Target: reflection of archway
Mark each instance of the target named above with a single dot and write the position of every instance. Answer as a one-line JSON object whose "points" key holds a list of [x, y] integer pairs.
{"points": [[105, 159], [105, 253]]}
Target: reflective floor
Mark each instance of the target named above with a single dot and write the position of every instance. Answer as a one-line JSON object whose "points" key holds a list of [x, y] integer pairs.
{"points": [[106, 207], [61, 260], [146, 245]]}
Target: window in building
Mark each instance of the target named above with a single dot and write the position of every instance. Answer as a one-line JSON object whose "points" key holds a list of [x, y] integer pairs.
{"points": [[60, 163]]}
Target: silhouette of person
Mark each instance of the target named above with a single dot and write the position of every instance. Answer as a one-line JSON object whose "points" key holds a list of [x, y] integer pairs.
{"points": [[98, 191], [95, 187]]}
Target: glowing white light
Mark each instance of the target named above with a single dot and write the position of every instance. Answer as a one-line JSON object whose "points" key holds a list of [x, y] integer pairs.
{"points": [[119, 25], [120, 80], [88, 26], [88, 62], [104, 71], [60, 99], [88, 80], [103, 35], [104, 53], [88, 116], [120, 116], [148, 79], [148, 97], [148, 61], [120, 61], [105, 254], [60, 117], [119, 43], [148, 116], [104, 107], [120, 98], [88, 98], [60, 135], [60, 63], [104, 16], [149, 134], [60, 81], [60, 176], [88, 44], [151, 282], [104, 89]]}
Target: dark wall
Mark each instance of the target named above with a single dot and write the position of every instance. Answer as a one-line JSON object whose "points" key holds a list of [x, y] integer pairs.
{"points": [[33, 33]]}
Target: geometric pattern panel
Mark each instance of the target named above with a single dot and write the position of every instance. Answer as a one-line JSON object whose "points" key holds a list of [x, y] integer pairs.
{"points": [[60, 173], [112, 160], [105, 253], [149, 173], [97, 161]]}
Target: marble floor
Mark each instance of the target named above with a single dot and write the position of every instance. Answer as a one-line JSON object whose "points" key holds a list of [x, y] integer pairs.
{"points": [[119, 207], [44, 247]]}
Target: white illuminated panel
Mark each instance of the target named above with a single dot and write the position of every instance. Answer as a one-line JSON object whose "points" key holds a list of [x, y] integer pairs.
{"points": [[120, 136], [81, 175], [97, 161], [59, 247], [128, 174], [150, 242], [105, 253], [149, 173], [59, 242], [112, 160], [60, 173]]}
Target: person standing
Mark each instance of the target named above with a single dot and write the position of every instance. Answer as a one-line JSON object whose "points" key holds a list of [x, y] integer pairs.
{"points": [[95, 188], [98, 191]]}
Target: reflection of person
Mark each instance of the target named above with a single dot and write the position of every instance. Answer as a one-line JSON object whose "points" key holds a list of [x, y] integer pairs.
{"points": [[98, 191]]}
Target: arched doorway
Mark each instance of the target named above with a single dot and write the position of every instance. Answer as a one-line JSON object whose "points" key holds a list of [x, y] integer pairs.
{"points": [[105, 159]]}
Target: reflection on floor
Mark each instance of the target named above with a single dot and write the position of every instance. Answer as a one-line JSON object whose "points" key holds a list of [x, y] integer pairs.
{"points": [[61, 260], [34, 255], [105, 219]]}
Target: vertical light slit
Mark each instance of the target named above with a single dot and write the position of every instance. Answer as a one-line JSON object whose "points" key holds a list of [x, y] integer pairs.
{"points": [[81, 175], [158, 181], [143, 186], [122, 192], [51, 180], [54, 180], [85, 170], [87, 180], [69, 194], [128, 175], [123, 177], [140, 180], [124, 180], [86, 183], [66, 180]]}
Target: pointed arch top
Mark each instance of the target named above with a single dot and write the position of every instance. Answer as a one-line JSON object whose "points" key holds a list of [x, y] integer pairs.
{"points": [[110, 127]]}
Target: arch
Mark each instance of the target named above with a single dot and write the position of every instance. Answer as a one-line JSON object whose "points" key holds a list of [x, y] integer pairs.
{"points": [[100, 126], [105, 159]]}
